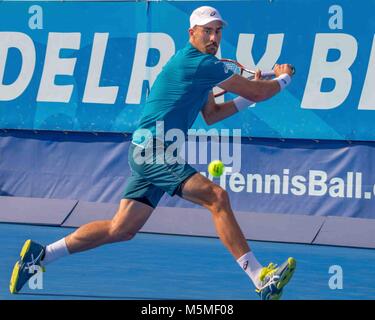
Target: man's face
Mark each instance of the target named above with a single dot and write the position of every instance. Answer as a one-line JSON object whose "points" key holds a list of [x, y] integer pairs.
{"points": [[207, 38]]}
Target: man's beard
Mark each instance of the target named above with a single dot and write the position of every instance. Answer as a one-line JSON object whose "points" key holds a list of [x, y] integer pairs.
{"points": [[212, 48]]}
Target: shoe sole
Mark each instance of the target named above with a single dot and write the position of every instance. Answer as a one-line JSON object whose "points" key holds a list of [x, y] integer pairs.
{"points": [[16, 268], [287, 273]]}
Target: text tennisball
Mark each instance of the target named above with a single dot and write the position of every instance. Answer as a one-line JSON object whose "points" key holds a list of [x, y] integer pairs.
{"points": [[216, 168]]}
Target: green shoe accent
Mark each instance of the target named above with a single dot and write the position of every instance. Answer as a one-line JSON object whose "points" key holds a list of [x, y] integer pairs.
{"points": [[30, 255], [273, 279]]}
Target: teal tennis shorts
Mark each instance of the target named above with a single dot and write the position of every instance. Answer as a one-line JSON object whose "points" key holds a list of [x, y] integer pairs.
{"points": [[155, 171]]}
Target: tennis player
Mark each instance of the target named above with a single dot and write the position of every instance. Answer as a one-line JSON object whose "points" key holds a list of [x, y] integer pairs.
{"points": [[180, 92]]}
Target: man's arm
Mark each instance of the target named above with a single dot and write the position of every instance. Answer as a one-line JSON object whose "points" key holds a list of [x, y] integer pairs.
{"points": [[214, 112], [254, 90]]}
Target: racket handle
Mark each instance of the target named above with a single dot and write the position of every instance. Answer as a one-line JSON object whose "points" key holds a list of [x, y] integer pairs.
{"points": [[268, 74]]}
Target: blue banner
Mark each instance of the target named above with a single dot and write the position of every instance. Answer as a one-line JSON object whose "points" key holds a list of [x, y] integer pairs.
{"points": [[328, 178], [88, 66]]}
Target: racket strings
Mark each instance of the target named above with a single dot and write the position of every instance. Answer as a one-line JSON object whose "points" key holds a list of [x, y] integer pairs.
{"points": [[233, 67]]}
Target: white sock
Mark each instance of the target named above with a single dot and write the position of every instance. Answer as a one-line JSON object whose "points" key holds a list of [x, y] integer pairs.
{"points": [[55, 251], [251, 266]]}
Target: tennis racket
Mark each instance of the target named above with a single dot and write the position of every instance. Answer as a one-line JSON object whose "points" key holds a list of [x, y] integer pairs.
{"points": [[239, 69]]}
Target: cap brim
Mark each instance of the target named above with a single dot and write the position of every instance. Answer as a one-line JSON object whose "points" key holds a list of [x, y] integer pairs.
{"points": [[208, 20]]}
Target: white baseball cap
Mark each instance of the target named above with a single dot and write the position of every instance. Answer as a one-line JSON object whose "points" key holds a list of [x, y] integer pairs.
{"points": [[204, 15]]}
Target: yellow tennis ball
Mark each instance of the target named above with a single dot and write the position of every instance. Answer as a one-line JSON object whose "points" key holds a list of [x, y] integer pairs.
{"points": [[216, 168]]}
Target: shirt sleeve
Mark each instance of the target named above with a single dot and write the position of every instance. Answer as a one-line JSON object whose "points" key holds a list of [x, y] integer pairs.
{"points": [[211, 72]]}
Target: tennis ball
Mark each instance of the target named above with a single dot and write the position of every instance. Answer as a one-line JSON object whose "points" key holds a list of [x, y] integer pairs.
{"points": [[216, 168]]}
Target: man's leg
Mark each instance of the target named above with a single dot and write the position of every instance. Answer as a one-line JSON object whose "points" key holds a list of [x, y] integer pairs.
{"points": [[129, 219], [204, 192], [270, 280]]}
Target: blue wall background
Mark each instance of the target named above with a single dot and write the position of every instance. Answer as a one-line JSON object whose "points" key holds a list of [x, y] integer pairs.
{"points": [[298, 23], [337, 177]]}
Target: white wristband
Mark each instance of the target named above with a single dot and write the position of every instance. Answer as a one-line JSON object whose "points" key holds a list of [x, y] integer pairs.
{"points": [[242, 103], [283, 80]]}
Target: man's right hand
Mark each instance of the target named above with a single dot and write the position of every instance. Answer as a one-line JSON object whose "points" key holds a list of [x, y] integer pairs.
{"points": [[283, 68]]}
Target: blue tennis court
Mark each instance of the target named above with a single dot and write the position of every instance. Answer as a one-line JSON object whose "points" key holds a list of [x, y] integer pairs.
{"points": [[155, 266]]}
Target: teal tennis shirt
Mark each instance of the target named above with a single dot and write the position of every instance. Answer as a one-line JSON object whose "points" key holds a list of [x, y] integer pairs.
{"points": [[180, 91]]}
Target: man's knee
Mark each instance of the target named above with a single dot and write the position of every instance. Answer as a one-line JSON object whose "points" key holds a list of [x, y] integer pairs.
{"points": [[119, 230], [219, 199], [130, 217], [118, 233]]}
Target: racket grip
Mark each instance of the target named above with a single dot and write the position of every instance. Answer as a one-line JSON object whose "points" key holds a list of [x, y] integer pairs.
{"points": [[268, 74]]}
